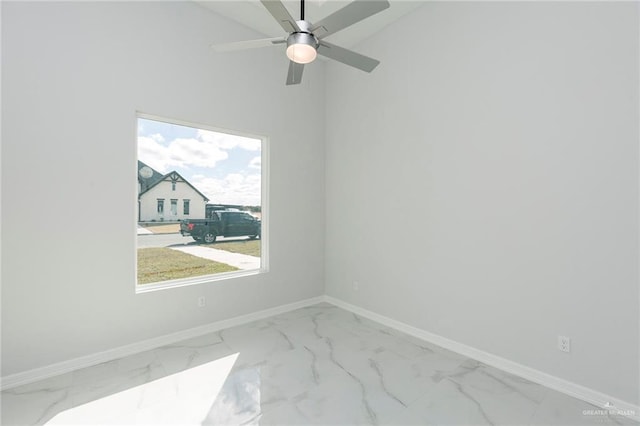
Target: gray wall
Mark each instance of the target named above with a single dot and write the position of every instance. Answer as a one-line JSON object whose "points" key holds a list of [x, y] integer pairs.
{"points": [[73, 77], [482, 184]]}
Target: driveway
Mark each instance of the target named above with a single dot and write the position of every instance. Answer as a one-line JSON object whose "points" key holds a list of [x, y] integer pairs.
{"points": [[143, 231], [162, 240], [240, 261], [172, 240]]}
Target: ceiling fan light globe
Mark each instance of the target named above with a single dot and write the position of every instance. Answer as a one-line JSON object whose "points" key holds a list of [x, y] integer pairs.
{"points": [[302, 47], [301, 53]]}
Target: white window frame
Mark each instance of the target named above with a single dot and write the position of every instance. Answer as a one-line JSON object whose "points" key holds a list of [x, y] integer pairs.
{"points": [[264, 195]]}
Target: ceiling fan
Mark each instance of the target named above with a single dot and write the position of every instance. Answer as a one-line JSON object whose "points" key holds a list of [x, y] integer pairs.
{"points": [[306, 40]]}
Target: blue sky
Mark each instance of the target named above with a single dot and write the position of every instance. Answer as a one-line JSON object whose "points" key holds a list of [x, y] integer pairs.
{"points": [[224, 167]]}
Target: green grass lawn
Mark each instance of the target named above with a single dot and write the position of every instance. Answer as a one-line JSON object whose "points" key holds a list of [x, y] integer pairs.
{"points": [[249, 247], [161, 264]]}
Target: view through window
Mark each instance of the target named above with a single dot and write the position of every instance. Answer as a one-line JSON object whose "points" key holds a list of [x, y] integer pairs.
{"points": [[216, 179]]}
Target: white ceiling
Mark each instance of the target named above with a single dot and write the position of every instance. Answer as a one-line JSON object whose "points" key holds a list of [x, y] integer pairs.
{"points": [[252, 14]]}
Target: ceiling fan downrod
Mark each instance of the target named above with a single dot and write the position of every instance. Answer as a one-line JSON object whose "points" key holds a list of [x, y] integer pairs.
{"points": [[302, 10]]}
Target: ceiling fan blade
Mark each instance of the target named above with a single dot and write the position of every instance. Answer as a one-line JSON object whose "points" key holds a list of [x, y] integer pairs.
{"points": [[348, 15], [281, 14], [294, 76], [348, 57], [248, 44]]}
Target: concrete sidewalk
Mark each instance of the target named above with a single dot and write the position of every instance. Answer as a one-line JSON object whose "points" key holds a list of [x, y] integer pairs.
{"points": [[241, 261], [143, 231]]}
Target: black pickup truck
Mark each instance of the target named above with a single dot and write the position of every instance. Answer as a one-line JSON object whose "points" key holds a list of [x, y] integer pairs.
{"points": [[221, 223]]}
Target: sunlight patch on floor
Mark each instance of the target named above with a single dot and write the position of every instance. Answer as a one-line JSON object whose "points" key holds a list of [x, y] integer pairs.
{"points": [[183, 398]]}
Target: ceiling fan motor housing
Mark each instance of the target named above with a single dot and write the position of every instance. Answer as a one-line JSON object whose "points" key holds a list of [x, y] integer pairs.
{"points": [[303, 37]]}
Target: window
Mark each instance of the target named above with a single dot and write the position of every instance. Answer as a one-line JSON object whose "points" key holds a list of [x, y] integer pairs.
{"points": [[222, 182]]}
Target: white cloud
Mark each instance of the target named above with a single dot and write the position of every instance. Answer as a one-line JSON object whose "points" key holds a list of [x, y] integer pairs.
{"points": [[205, 150], [157, 137], [179, 152], [255, 163], [225, 141], [233, 189], [152, 153]]}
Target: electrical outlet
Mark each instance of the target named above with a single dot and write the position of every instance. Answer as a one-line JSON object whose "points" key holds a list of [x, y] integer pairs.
{"points": [[356, 286], [202, 302], [564, 343]]}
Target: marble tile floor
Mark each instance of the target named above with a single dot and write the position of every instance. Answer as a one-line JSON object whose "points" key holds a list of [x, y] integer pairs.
{"points": [[319, 365]]}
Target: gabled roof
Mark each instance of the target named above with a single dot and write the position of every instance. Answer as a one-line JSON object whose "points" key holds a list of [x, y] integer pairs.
{"points": [[146, 183], [169, 177]]}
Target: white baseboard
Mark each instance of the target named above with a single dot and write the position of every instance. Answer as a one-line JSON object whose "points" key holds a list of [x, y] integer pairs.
{"points": [[599, 399], [52, 370], [591, 396]]}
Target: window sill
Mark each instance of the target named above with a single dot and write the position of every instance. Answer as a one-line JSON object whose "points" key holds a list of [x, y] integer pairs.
{"points": [[205, 279]]}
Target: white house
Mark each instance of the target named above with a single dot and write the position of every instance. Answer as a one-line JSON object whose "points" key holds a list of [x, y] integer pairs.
{"points": [[167, 197]]}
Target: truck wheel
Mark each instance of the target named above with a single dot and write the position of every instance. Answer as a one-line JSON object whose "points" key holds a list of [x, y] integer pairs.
{"points": [[209, 238]]}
